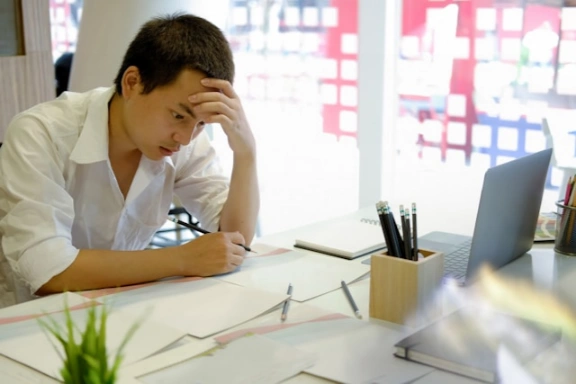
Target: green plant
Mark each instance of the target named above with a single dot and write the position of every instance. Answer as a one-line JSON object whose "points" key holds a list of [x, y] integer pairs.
{"points": [[86, 361]]}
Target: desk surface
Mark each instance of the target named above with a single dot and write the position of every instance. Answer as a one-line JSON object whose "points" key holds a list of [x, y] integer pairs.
{"points": [[547, 271]]}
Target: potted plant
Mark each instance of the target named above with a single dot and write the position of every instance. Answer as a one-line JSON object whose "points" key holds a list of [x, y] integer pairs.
{"points": [[85, 357]]}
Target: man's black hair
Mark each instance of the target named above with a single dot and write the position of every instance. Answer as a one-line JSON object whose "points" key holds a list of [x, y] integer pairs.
{"points": [[166, 45]]}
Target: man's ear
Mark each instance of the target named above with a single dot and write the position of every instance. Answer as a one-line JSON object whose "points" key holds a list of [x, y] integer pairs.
{"points": [[131, 82]]}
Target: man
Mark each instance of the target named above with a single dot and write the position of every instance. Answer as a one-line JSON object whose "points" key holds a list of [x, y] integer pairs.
{"points": [[87, 179]]}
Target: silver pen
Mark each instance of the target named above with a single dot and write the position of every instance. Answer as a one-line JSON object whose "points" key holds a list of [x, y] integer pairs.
{"points": [[286, 304], [351, 300]]}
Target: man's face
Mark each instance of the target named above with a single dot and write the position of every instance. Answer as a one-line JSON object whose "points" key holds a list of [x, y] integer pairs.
{"points": [[159, 122]]}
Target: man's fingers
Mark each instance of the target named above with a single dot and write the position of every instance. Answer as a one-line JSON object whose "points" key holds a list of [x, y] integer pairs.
{"points": [[222, 85], [235, 237], [236, 260]]}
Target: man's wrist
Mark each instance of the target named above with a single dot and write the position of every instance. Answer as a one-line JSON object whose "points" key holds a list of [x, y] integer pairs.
{"points": [[174, 257], [245, 158]]}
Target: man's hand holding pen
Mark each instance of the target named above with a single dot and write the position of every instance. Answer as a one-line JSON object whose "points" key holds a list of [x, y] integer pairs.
{"points": [[211, 254]]}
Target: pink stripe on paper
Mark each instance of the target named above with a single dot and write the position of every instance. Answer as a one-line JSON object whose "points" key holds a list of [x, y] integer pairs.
{"points": [[109, 291], [16, 319], [272, 328]]}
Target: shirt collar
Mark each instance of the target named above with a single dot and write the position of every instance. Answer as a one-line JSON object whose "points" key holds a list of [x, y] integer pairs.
{"points": [[92, 144]]}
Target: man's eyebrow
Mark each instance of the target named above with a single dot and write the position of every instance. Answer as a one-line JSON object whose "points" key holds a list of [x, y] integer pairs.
{"points": [[187, 109]]}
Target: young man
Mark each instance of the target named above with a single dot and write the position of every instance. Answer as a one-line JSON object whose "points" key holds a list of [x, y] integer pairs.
{"points": [[87, 179]]}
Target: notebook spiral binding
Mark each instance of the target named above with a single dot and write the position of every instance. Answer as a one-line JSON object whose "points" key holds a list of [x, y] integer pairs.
{"points": [[371, 221]]}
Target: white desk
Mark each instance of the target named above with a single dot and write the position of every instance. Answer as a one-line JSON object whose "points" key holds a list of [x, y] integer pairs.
{"points": [[549, 271]]}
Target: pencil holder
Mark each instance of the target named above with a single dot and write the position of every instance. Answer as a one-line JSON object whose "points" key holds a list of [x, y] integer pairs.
{"points": [[565, 242], [404, 291]]}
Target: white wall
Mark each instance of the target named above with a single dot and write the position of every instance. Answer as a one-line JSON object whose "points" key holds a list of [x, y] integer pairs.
{"points": [[108, 26]]}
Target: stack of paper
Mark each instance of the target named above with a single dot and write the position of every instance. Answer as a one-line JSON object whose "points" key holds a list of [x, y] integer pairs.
{"points": [[200, 307], [351, 351], [34, 308], [271, 322], [28, 343], [252, 359], [310, 275]]}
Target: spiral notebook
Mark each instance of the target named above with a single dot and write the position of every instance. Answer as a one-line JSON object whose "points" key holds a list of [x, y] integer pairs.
{"points": [[348, 239]]}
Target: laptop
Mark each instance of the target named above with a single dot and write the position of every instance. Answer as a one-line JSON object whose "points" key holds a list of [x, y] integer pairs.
{"points": [[505, 223]]}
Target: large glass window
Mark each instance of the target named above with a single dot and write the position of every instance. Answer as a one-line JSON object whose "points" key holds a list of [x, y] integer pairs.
{"points": [[65, 18], [476, 79], [296, 73]]}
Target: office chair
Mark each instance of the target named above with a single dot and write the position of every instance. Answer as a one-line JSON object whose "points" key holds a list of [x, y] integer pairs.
{"points": [[170, 237]]}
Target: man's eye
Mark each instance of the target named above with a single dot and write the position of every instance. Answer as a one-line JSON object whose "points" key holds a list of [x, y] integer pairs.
{"points": [[177, 116]]}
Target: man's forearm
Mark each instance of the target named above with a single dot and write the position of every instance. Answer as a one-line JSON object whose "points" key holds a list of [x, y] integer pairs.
{"points": [[240, 212], [95, 268]]}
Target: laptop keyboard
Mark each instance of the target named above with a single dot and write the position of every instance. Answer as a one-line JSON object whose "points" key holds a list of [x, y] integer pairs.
{"points": [[456, 262]]}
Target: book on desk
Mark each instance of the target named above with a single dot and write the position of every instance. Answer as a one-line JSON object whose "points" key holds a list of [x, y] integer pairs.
{"points": [[347, 239], [467, 342]]}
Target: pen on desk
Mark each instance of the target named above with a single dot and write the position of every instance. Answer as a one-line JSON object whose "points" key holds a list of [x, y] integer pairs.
{"points": [[199, 229], [350, 299], [286, 304], [414, 233]]}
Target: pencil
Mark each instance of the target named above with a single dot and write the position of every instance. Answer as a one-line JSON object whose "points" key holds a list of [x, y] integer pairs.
{"points": [[568, 192], [350, 299], [286, 303], [414, 233], [407, 236], [201, 230], [396, 243], [403, 226], [385, 229]]}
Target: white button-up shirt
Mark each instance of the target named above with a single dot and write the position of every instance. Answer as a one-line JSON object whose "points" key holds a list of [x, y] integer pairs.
{"points": [[58, 192]]}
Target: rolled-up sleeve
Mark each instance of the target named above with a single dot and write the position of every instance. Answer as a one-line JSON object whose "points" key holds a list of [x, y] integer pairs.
{"points": [[36, 211], [200, 184]]}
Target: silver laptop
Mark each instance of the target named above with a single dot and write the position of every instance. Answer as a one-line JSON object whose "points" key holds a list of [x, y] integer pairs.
{"points": [[505, 223]]}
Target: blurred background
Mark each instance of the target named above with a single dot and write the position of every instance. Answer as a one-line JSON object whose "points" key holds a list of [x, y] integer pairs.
{"points": [[458, 87]]}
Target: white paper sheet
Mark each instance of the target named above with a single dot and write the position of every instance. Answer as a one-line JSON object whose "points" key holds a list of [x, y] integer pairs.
{"points": [[32, 308], [510, 371], [438, 376], [200, 308], [250, 360], [31, 345], [12, 372], [298, 314], [269, 322], [310, 275], [351, 351]]}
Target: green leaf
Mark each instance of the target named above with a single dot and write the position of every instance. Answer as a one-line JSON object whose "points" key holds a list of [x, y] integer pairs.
{"points": [[102, 354], [86, 361]]}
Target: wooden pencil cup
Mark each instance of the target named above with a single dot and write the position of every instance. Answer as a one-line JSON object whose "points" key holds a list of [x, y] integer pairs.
{"points": [[404, 291]]}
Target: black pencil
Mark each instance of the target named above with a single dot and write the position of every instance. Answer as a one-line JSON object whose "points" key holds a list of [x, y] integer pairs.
{"points": [[414, 233], [385, 229], [407, 236], [201, 230]]}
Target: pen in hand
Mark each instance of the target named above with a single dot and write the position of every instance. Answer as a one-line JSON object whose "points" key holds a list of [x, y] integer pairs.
{"points": [[351, 299], [286, 304], [201, 230]]}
